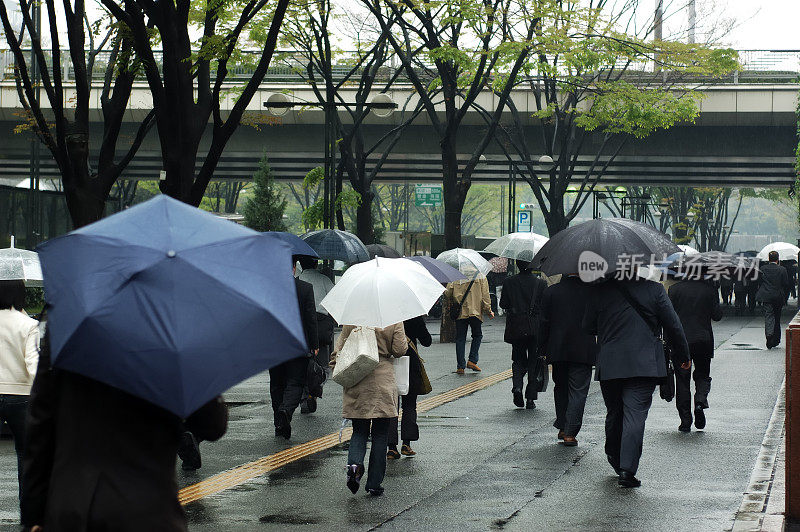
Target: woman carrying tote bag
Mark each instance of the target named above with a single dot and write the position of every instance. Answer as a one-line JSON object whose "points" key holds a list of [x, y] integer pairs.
{"points": [[370, 404]]}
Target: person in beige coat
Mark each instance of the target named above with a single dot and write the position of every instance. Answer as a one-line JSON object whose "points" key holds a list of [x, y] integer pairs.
{"points": [[476, 304], [372, 402]]}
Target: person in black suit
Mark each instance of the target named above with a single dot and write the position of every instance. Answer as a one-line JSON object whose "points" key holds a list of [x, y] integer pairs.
{"points": [[98, 458], [570, 350], [696, 303], [772, 295], [626, 317], [521, 298], [417, 334], [287, 380]]}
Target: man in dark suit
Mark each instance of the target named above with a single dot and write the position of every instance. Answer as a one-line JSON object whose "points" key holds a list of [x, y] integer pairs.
{"points": [[625, 316], [521, 299], [772, 295], [98, 458], [696, 303], [287, 380], [570, 350]]}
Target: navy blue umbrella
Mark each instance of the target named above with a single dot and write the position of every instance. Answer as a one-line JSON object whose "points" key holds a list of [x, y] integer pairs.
{"points": [[441, 271], [170, 303], [333, 244], [297, 244]]}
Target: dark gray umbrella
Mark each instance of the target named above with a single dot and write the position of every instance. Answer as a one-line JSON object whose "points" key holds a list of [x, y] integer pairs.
{"points": [[380, 250], [714, 264], [610, 238], [333, 244]]}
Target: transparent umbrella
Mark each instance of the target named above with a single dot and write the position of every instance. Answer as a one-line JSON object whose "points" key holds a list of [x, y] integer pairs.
{"points": [[786, 251], [467, 261], [521, 246], [20, 264]]}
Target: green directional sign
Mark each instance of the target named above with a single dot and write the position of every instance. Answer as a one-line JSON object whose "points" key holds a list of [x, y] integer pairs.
{"points": [[428, 195]]}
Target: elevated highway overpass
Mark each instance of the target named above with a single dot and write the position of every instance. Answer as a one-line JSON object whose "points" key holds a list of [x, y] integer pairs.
{"points": [[745, 136]]}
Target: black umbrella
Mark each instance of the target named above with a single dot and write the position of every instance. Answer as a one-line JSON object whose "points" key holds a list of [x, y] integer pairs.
{"points": [[333, 244], [715, 264], [614, 240], [380, 250]]}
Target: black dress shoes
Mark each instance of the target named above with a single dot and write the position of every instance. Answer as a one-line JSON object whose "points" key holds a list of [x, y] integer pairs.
{"points": [[685, 427], [519, 401], [627, 480], [699, 418], [282, 425], [530, 405]]}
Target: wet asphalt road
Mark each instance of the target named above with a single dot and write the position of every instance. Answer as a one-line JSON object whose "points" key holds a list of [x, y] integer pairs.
{"points": [[483, 464]]}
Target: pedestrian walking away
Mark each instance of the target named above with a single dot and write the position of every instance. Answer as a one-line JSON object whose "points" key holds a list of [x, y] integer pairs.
{"points": [[697, 304], [417, 335], [626, 316], [473, 298], [19, 356], [772, 295], [321, 285], [287, 380], [570, 350], [521, 299], [99, 458], [370, 404]]}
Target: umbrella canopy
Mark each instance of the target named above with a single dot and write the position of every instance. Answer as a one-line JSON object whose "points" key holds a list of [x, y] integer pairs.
{"points": [[786, 251], [521, 246], [688, 250], [714, 264], [333, 244], [380, 250], [499, 264], [467, 261], [296, 244], [382, 292], [170, 303], [20, 264], [441, 271], [612, 240]]}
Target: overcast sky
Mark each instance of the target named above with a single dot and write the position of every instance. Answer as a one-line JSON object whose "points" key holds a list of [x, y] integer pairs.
{"points": [[765, 24]]}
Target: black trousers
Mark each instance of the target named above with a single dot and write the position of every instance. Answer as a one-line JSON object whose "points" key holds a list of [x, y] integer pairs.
{"points": [[409, 430], [13, 410], [286, 383], [702, 386], [627, 403], [772, 323], [525, 359], [570, 387]]}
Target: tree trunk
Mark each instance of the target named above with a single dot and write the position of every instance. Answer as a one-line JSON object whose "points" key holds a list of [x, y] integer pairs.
{"points": [[84, 206], [454, 194], [447, 330], [364, 228]]}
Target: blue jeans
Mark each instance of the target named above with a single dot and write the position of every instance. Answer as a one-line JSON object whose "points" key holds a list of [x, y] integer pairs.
{"points": [[377, 454], [461, 340], [13, 409]]}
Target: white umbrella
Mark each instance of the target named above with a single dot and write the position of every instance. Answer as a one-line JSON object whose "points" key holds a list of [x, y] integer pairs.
{"points": [[786, 251], [382, 292], [688, 250], [20, 264], [520, 246], [467, 261]]}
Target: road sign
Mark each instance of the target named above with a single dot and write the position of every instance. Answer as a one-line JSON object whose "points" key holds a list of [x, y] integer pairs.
{"points": [[428, 195], [524, 219]]}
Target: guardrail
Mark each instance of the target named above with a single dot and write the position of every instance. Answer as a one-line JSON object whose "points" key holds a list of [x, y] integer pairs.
{"points": [[793, 424], [759, 66]]}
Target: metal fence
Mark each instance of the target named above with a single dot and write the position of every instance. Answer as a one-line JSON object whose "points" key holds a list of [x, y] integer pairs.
{"points": [[758, 66]]}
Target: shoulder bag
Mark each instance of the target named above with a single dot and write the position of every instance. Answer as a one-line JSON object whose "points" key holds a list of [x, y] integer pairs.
{"points": [[455, 310], [666, 384], [357, 358]]}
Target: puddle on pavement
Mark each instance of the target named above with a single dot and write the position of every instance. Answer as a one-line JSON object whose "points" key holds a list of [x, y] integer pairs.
{"points": [[285, 519], [744, 347]]}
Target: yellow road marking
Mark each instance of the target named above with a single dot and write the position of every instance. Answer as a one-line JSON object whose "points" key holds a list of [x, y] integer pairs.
{"points": [[243, 473]]}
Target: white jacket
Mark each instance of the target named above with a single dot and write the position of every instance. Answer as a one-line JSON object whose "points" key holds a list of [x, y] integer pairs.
{"points": [[19, 352]]}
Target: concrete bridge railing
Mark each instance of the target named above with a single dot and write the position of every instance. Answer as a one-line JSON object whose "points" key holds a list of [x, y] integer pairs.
{"points": [[793, 424]]}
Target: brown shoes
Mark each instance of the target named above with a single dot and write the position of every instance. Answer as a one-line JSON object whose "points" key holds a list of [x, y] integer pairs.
{"points": [[392, 454], [473, 366], [406, 450], [460, 371], [570, 441]]}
